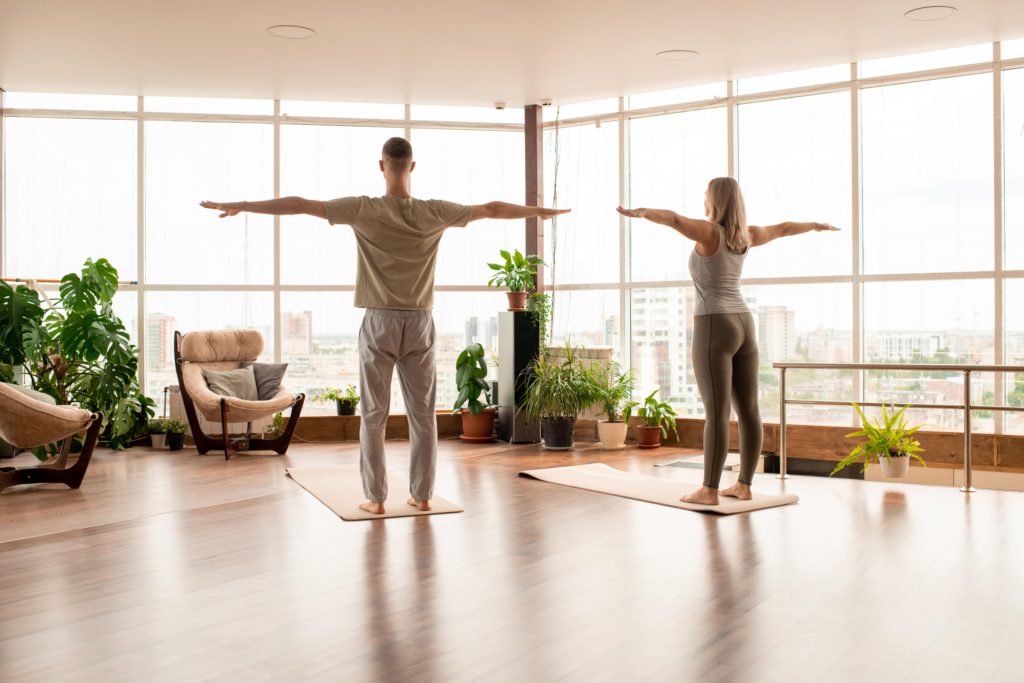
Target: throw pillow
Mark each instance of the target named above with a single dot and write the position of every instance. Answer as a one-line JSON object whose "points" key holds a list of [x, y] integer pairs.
{"points": [[32, 393], [240, 383], [268, 378]]}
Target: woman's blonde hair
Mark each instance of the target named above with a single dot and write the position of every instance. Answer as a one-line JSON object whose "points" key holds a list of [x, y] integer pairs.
{"points": [[725, 201]]}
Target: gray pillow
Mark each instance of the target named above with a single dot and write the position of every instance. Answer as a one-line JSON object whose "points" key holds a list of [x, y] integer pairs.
{"points": [[240, 383], [32, 393], [268, 378]]}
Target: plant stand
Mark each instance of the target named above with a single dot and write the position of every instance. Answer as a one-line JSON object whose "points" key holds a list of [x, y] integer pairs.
{"points": [[518, 345]]}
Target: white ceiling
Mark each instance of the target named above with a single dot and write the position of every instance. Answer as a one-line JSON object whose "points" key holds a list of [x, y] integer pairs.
{"points": [[454, 51]]}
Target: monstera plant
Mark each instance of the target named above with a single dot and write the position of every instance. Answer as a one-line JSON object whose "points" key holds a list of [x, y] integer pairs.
{"points": [[75, 348]]}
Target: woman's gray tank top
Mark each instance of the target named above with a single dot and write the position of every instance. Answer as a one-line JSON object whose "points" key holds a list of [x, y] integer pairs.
{"points": [[717, 279]]}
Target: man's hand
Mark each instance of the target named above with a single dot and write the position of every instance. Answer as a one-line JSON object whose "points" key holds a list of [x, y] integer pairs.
{"points": [[820, 227], [545, 214], [229, 209], [632, 213]]}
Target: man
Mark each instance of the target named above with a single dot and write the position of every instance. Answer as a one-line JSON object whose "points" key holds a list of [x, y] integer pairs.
{"points": [[397, 238]]}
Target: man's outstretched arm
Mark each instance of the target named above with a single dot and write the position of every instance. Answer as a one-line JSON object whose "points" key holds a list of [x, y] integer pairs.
{"points": [[506, 210], [284, 206]]}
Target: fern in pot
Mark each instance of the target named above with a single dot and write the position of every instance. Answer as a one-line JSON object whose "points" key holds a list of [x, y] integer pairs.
{"points": [[613, 389], [890, 441], [556, 392]]}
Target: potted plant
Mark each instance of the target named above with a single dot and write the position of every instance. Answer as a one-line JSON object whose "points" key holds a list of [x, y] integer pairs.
{"points": [[516, 273], [74, 348], [345, 400], [470, 380], [176, 434], [158, 433], [890, 441], [657, 420], [556, 392], [614, 390]]}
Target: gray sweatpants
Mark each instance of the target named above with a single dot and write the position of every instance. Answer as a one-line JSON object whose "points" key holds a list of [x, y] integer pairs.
{"points": [[725, 364], [390, 338]]}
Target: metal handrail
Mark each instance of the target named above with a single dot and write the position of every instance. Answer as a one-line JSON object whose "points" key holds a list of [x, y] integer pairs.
{"points": [[966, 406]]}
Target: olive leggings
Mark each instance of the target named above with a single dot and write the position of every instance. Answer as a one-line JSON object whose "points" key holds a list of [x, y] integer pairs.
{"points": [[725, 364]]}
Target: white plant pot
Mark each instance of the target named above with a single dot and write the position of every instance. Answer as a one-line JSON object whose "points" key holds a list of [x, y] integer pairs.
{"points": [[894, 467], [612, 435], [158, 440]]}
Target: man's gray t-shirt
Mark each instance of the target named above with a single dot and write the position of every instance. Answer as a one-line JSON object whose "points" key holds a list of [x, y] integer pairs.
{"points": [[397, 240]]}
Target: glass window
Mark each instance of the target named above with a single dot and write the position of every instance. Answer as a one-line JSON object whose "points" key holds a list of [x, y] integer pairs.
{"points": [[207, 105], [167, 312], [1013, 168], [1012, 49], [949, 321], [1014, 353], [807, 324], [70, 194], [662, 331], [342, 110], [471, 167], [794, 165], [431, 112], [581, 164], [586, 318], [794, 79], [462, 318], [671, 160], [562, 112], [927, 176], [324, 162], [187, 163], [46, 100], [319, 341], [922, 61], [690, 93]]}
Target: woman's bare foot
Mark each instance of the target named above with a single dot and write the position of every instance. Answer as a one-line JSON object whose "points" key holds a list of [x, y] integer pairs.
{"points": [[422, 505], [702, 496], [738, 490], [373, 507]]}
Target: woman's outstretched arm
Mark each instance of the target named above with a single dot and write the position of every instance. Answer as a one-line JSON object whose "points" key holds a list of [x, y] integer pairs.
{"points": [[697, 230], [764, 234]]}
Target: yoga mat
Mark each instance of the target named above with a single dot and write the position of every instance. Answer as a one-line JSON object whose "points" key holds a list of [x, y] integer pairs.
{"points": [[696, 462], [340, 488], [604, 479]]}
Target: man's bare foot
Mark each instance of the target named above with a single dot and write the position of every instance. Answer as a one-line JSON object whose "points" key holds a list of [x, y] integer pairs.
{"points": [[422, 505], [702, 496], [373, 507], [738, 490]]}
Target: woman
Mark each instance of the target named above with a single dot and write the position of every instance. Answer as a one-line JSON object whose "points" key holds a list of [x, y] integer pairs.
{"points": [[724, 340]]}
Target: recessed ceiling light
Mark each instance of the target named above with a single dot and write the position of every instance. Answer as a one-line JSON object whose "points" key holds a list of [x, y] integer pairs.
{"points": [[930, 13], [291, 32], [678, 55]]}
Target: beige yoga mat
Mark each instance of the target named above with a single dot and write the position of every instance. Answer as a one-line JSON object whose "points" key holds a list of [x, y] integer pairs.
{"points": [[340, 488], [604, 479]]}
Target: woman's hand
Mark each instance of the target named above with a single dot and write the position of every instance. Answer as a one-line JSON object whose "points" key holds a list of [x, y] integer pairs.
{"points": [[230, 209], [632, 213]]}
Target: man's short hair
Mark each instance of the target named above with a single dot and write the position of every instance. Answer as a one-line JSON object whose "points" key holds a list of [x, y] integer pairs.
{"points": [[398, 151]]}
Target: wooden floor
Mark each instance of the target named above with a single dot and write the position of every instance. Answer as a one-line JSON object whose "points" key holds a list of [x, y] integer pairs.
{"points": [[176, 567]]}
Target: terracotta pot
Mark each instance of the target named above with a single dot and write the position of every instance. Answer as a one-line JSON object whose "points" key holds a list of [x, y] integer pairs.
{"points": [[478, 428], [612, 435], [894, 467], [650, 437], [517, 300]]}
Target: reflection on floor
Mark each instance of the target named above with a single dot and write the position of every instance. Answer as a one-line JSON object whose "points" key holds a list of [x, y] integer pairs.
{"points": [[176, 567]]}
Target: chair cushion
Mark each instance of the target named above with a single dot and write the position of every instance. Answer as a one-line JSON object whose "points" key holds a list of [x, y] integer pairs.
{"points": [[268, 378], [240, 383], [210, 346], [32, 393]]}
